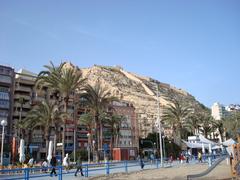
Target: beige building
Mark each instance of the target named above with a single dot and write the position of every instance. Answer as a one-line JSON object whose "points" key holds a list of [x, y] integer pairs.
{"points": [[218, 111]]}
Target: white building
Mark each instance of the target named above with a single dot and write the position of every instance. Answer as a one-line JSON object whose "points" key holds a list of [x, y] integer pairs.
{"points": [[233, 107], [218, 111]]}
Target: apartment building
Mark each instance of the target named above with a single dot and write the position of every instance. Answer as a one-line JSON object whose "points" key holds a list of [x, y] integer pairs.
{"points": [[6, 99], [218, 111], [18, 95], [129, 127]]}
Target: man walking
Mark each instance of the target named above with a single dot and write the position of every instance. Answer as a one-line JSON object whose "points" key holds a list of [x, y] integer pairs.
{"points": [[79, 166], [53, 163]]}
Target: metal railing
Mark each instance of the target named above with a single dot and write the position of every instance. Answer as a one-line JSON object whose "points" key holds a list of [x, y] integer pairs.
{"points": [[92, 169], [88, 170]]}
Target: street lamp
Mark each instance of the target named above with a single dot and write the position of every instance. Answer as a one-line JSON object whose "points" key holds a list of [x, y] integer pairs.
{"points": [[3, 124], [154, 147], [93, 149], [159, 126], [164, 151], [88, 147]]}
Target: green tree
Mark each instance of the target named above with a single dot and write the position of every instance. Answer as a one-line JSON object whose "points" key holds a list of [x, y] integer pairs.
{"points": [[114, 121], [175, 115], [193, 124], [87, 120], [97, 100], [206, 123], [232, 125], [218, 125], [64, 80], [45, 115]]}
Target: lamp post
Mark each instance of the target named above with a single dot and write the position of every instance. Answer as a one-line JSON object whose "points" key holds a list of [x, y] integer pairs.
{"points": [[3, 124], [93, 149], [159, 126], [88, 147], [164, 151]]}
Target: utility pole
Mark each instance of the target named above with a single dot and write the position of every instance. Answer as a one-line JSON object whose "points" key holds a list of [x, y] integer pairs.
{"points": [[159, 126]]}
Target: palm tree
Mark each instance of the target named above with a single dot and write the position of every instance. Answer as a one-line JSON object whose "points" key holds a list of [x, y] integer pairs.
{"points": [[218, 125], [97, 100], [45, 115], [175, 114], [206, 123], [64, 80], [232, 125], [87, 120], [193, 124], [114, 121]]}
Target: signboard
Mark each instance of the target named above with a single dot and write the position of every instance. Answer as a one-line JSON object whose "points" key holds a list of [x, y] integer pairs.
{"points": [[59, 144], [132, 152]]}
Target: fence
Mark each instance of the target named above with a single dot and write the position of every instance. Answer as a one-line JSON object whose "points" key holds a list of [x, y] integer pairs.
{"points": [[88, 169]]}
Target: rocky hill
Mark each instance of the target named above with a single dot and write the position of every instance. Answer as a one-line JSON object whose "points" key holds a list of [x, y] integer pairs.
{"points": [[139, 90]]}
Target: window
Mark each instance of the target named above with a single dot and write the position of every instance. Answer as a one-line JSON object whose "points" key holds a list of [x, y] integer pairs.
{"points": [[4, 89], [5, 79], [4, 95], [4, 104]]}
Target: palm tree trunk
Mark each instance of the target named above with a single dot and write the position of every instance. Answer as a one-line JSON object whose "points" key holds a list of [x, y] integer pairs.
{"points": [[29, 140], [111, 143], [47, 140], [97, 136], [205, 133], [101, 135], [64, 127]]}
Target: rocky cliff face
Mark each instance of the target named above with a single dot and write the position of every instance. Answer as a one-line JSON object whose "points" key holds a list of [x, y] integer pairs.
{"points": [[138, 90]]}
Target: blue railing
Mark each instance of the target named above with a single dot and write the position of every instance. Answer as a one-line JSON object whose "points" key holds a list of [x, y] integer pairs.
{"points": [[88, 169]]}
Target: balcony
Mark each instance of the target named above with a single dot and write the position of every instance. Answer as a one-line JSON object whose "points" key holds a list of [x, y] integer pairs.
{"points": [[17, 113], [18, 96], [24, 89], [69, 133], [26, 105]]}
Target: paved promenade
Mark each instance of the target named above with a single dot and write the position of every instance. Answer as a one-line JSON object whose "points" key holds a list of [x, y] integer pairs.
{"points": [[175, 171]]}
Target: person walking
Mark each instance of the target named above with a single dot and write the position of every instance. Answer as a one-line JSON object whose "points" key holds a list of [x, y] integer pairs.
{"points": [[53, 163], [199, 157], [152, 158], [66, 162], [141, 162], [187, 158], [79, 166], [44, 166], [30, 162]]}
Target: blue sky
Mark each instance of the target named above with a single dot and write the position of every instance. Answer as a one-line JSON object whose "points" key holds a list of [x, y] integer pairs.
{"points": [[193, 45]]}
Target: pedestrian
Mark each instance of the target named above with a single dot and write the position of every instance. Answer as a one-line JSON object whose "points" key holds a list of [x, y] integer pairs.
{"points": [[171, 158], [53, 163], [141, 162], [44, 166], [30, 162], [187, 158], [66, 162], [181, 158], [79, 166], [152, 158], [199, 157]]}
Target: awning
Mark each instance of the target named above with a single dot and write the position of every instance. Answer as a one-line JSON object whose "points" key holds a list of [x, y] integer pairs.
{"points": [[229, 142], [205, 140]]}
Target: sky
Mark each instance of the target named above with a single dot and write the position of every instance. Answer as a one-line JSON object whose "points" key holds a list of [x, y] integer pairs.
{"points": [[191, 44]]}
